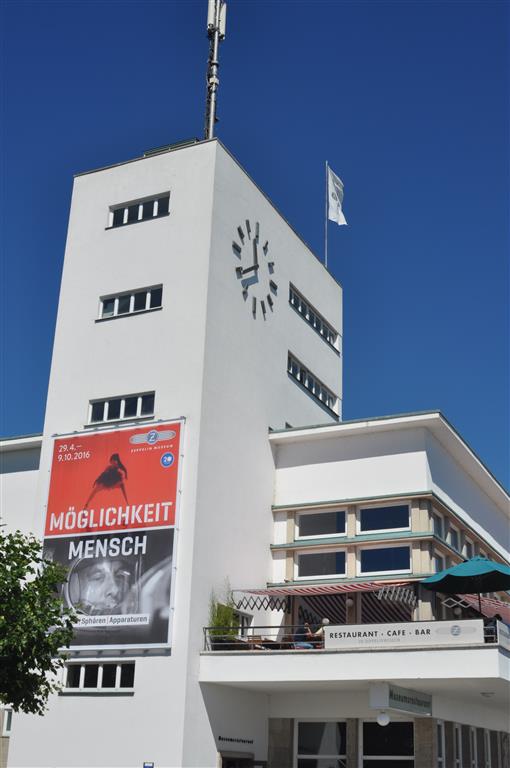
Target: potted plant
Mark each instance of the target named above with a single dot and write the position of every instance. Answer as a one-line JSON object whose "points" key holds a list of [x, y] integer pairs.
{"points": [[222, 627]]}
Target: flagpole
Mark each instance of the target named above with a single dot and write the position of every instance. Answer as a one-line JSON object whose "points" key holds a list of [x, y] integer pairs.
{"points": [[326, 222]]}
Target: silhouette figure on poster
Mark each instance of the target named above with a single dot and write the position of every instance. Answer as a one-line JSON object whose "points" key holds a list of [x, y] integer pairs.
{"points": [[112, 477]]}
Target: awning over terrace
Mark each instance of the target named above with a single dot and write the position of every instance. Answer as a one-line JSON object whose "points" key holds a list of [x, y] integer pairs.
{"points": [[326, 589], [489, 606], [329, 599]]}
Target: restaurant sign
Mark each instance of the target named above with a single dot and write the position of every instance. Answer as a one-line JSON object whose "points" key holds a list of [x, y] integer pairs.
{"points": [[503, 635], [412, 634], [388, 696]]}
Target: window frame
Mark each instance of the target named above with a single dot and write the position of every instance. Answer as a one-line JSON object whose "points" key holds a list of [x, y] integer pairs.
{"points": [[299, 553], [298, 536], [440, 735], [468, 542], [487, 748], [121, 418], [81, 689], [244, 622], [132, 311], [457, 745], [297, 756], [359, 509], [473, 747], [140, 202], [437, 516], [380, 545], [386, 758], [310, 309], [7, 721], [448, 538], [302, 378]]}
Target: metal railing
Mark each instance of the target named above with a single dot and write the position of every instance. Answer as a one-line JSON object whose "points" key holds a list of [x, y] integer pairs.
{"points": [[284, 638], [257, 638]]}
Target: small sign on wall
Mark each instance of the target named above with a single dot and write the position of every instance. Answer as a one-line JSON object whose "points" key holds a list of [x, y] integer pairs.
{"points": [[388, 696]]}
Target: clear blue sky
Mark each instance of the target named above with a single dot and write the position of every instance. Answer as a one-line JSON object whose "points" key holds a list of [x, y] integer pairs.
{"points": [[407, 100]]}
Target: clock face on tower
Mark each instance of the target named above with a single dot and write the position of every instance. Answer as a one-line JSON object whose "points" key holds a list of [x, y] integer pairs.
{"points": [[255, 268]]}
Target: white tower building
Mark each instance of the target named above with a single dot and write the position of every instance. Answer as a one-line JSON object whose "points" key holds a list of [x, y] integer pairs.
{"points": [[175, 303]]}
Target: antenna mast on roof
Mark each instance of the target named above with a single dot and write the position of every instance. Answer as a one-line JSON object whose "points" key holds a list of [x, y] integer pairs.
{"points": [[216, 21]]}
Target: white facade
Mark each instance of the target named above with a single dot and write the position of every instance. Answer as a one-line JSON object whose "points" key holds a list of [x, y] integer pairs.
{"points": [[245, 477]]}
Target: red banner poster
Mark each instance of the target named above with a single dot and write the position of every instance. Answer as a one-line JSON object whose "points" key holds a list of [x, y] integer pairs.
{"points": [[110, 520]]}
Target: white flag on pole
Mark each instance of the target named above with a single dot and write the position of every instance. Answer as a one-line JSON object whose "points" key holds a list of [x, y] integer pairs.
{"points": [[335, 198]]}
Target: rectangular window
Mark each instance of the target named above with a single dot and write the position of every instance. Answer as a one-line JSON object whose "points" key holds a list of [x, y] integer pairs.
{"points": [[243, 622], [109, 676], [91, 675], [321, 524], [468, 549], [457, 746], [119, 408], [127, 675], [437, 522], [313, 318], [131, 302], [141, 210], [473, 749], [453, 538], [385, 560], [321, 744], [392, 745], [440, 743], [309, 381], [7, 722], [487, 750], [395, 518], [438, 563], [320, 564]]}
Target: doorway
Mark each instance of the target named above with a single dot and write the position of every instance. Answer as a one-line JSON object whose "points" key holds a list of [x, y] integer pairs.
{"points": [[241, 760], [236, 762]]}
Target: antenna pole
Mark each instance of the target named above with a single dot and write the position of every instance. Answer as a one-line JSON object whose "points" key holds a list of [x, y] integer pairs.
{"points": [[216, 17]]}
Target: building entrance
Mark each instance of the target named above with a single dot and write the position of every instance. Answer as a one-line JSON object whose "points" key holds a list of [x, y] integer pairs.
{"points": [[241, 761]]}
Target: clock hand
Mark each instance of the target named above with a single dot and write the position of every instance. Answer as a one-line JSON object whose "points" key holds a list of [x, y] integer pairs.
{"points": [[255, 254], [250, 269]]}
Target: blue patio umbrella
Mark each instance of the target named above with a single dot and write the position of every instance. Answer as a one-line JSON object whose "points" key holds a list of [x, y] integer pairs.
{"points": [[472, 576]]}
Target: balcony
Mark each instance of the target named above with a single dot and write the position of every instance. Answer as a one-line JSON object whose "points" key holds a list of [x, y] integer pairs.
{"points": [[454, 655]]}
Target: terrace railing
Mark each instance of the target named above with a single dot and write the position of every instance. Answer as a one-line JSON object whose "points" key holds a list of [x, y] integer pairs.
{"points": [[357, 636]]}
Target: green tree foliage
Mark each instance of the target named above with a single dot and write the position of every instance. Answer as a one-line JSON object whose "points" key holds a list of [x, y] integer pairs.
{"points": [[221, 613], [33, 623]]}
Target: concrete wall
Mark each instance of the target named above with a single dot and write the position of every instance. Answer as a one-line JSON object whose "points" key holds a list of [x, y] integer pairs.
{"points": [[19, 477], [340, 467], [450, 481]]}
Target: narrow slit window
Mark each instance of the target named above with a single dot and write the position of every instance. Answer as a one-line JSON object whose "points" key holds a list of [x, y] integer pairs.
{"points": [[313, 318], [317, 389]]}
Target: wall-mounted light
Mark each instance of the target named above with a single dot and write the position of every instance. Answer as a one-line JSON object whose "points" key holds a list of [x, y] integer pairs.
{"points": [[349, 602], [383, 719]]}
